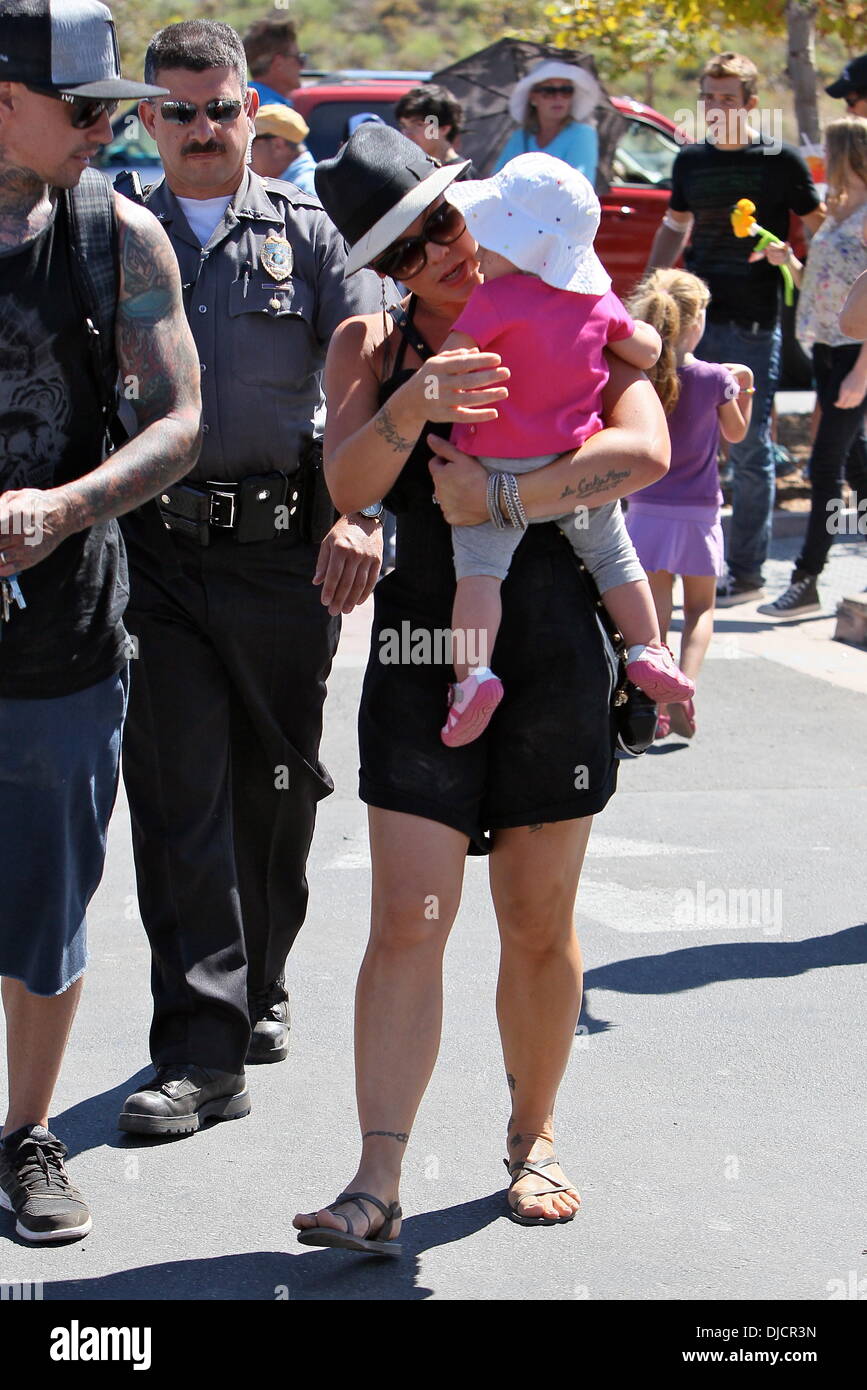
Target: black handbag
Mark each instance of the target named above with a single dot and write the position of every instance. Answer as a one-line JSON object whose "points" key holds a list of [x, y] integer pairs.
{"points": [[635, 714]]}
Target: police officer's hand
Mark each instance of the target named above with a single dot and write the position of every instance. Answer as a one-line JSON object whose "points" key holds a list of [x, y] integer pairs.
{"points": [[460, 384], [33, 522], [349, 561]]}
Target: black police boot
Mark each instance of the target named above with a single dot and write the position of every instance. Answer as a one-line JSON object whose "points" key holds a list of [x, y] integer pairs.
{"points": [[180, 1098], [269, 1019]]}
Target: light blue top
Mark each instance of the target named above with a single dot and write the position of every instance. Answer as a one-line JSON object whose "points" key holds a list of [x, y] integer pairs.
{"points": [[267, 95], [301, 171], [577, 145]]}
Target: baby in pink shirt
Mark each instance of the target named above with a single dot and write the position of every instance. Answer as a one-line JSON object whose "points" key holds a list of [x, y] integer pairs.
{"points": [[546, 306]]}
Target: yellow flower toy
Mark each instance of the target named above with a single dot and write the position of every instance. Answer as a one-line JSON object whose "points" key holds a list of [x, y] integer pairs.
{"points": [[744, 224]]}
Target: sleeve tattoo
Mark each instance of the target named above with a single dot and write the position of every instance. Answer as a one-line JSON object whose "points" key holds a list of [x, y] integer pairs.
{"points": [[159, 369]]}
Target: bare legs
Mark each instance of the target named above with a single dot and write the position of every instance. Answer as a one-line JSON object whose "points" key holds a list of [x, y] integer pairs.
{"points": [[534, 875], [37, 1031], [699, 597], [477, 614], [418, 870], [632, 608]]}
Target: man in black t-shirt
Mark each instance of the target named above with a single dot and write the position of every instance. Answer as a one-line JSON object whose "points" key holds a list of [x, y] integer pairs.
{"points": [[708, 178], [63, 657]]}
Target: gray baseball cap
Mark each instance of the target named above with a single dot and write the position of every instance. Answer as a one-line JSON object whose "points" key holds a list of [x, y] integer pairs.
{"points": [[69, 46]]}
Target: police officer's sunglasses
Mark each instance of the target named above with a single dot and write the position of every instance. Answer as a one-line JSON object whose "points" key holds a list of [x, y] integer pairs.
{"points": [[84, 111], [220, 110], [407, 257]]}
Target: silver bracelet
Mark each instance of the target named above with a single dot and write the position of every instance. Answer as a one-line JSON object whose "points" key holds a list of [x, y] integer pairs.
{"points": [[493, 499], [514, 505]]}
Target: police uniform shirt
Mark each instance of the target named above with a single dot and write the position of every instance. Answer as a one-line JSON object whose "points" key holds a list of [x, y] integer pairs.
{"points": [[261, 341]]}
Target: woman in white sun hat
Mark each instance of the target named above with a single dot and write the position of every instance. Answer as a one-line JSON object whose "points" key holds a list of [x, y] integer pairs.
{"points": [[546, 307], [553, 107]]}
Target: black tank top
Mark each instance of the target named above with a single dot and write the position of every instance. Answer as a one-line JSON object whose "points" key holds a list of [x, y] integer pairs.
{"points": [[70, 635]]}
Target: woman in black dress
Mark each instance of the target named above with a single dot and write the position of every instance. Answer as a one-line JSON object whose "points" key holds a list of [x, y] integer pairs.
{"points": [[514, 792]]}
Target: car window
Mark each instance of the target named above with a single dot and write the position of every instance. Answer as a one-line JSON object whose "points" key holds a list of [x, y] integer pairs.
{"points": [[131, 146], [327, 122], [644, 156]]}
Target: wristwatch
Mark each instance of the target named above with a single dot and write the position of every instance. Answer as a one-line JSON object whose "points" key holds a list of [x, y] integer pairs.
{"points": [[373, 512]]}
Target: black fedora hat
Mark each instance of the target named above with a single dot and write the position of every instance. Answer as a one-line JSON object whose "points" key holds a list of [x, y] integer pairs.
{"points": [[376, 186]]}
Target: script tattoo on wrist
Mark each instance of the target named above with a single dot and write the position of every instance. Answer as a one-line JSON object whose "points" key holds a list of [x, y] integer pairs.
{"points": [[386, 1134], [385, 426], [588, 486]]}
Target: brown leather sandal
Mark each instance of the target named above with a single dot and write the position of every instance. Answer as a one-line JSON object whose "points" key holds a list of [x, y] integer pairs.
{"points": [[516, 1171], [378, 1244]]}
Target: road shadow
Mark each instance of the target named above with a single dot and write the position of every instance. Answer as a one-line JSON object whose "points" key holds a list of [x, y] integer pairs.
{"points": [[92, 1123], [673, 972], [274, 1275]]}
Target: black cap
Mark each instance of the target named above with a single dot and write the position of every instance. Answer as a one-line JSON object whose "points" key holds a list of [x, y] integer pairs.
{"points": [[853, 78], [69, 46]]}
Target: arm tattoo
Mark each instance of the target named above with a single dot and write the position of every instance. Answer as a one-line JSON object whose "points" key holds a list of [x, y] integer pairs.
{"points": [[385, 426], [387, 1134], [159, 365], [588, 486]]}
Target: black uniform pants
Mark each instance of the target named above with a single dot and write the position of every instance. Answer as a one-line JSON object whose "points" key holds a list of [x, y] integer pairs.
{"points": [[220, 763]]}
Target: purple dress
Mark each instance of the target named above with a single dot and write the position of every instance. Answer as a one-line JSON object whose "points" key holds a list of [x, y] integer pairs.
{"points": [[675, 523]]}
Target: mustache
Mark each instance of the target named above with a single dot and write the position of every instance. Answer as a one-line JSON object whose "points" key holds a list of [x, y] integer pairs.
{"points": [[209, 147]]}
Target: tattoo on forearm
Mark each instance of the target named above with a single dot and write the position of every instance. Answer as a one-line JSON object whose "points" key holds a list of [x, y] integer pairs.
{"points": [[156, 354], [385, 426], [386, 1134], [587, 487]]}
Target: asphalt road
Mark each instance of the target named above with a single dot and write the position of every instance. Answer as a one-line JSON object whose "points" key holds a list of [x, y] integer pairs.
{"points": [[712, 1114]]}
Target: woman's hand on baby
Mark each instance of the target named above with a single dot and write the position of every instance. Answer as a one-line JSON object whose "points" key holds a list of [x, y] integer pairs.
{"points": [[460, 483], [462, 384]]}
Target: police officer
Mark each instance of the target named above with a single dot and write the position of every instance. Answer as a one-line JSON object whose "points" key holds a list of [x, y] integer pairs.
{"points": [[234, 641]]}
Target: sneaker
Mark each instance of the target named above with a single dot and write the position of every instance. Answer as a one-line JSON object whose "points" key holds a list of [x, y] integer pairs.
{"points": [[35, 1185], [801, 597], [730, 591], [471, 704], [270, 1021], [655, 671]]}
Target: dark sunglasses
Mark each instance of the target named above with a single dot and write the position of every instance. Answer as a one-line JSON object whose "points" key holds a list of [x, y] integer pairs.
{"points": [[220, 110], [407, 257], [84, 111], [554, 91], [302, 57]]}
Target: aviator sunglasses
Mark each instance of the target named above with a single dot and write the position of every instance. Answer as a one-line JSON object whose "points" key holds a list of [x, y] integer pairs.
{"points": [[220, 110], [84, 111], [556, 90], [405, 258]]}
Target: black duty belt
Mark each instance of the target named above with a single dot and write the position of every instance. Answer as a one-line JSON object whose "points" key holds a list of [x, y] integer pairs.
{"points": [[257, 508]]}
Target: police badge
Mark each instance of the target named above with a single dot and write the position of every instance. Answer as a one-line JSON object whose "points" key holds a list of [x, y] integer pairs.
{"points": [[276, 257]]}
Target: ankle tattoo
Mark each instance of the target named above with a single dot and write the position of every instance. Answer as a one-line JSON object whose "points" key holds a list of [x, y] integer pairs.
{"points": [[386, 1134]]}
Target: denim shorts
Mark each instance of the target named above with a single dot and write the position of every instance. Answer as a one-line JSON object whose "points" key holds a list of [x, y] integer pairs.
{"points": [[58, 783]]}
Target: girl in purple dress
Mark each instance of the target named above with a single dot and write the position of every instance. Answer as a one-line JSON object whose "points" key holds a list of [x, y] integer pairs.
{"points": [[675, 523]]}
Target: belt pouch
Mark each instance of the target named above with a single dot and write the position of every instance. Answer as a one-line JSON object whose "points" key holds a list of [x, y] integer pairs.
{"points": [[185, 510], [257, 501]]}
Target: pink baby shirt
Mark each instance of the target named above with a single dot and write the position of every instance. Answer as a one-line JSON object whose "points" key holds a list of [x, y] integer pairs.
{"points": [[551, 340]]}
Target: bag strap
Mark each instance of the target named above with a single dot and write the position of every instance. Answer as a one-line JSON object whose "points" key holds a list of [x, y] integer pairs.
{"points": [[96, 256], [410, 332]]}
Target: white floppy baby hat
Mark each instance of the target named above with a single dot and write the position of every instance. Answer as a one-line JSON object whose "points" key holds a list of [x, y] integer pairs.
{"points": [[542, 215]]}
